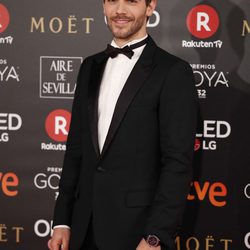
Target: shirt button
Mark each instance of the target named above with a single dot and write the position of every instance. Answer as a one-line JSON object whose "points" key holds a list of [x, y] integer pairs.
{"points": [[101, 169]]}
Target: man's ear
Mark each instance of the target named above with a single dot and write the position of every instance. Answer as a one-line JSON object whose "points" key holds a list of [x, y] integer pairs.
{"points": [[151, 7], [103, 7]]}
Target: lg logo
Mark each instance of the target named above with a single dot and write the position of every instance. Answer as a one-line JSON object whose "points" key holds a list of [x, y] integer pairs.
{"points": [[57, 125], [212, 130], [203, 21], [9, 122], [4, 18]]}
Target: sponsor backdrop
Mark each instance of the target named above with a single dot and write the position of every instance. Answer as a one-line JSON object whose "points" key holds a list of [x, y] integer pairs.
{"points": [[42, 44]]}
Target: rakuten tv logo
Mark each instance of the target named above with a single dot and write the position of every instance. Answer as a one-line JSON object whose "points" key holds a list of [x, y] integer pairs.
{"points": [[4, 23], [4, 18], [215, 192], [57, 125], [203, 21]]}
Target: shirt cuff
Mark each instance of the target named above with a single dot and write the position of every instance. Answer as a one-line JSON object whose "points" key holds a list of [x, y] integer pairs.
{"points": [[61, 226]]}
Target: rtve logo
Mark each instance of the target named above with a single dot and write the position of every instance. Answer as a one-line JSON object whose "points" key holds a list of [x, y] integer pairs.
{"points": [[203, 21], [57, 125], [9, 183], [4, 18], [215, 192]]}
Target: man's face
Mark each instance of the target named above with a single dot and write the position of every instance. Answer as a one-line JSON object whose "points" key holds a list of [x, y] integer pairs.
{"points": [[127, 19]]}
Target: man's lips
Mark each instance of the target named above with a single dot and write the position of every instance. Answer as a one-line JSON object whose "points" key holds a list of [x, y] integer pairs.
{"points": [[121, 20]]}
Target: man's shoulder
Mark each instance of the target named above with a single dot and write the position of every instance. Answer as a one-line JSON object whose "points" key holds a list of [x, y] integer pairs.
{"points": [[168, 59], [96, 56], [88, 61]]}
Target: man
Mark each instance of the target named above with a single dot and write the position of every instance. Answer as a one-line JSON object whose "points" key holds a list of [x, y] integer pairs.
{"points": [[127, 168]]}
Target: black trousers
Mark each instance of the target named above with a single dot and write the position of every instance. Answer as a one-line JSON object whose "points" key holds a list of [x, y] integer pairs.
{"points": [[89, 241]]}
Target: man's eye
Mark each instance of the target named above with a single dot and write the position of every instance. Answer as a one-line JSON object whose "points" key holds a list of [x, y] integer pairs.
{"points": [[133, 1]]}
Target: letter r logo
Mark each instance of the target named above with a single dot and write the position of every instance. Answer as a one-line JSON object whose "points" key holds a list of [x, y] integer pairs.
{"points": [[4, 18], [57, 125], [203, 21], [60, 125]]}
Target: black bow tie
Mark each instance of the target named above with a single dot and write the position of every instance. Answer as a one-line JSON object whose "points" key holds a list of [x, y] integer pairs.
{"points": [[127, 50], [113, 52]]}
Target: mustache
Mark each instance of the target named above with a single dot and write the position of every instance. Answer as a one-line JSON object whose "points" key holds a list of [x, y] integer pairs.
{"points": [[121, 17]]}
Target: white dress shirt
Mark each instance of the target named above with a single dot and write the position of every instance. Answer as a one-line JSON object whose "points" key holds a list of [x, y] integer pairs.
{"points": [[116, 73]]}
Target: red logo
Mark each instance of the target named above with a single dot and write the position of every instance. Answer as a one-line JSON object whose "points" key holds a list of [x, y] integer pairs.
{"points": [[203, 21], [57, 125], [197, 145], [9, 183], [216, 193], [4, 18]]}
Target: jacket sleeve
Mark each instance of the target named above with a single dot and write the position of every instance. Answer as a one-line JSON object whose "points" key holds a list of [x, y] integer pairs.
{"points": [[177, 125], [72, 160]]}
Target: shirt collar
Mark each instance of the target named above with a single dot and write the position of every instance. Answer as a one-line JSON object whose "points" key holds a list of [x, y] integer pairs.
{"points": [[137, 51], [113, 43]]}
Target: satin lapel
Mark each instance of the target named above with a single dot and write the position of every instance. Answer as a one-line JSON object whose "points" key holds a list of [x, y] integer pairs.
{"points": [[93, 92], [135, 81]]}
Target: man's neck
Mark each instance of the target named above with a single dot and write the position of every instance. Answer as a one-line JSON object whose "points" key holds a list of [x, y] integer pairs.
{"points": [[122, 42]]}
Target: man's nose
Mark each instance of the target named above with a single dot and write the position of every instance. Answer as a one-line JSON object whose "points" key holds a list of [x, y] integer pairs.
{"points": [[121, 8]]}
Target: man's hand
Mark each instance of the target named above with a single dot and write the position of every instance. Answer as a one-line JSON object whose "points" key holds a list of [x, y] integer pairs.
{"points": [[60, 239], [143, 245]]}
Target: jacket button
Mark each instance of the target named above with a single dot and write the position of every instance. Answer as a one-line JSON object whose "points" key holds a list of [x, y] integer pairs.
{"points": [[100, 169]]}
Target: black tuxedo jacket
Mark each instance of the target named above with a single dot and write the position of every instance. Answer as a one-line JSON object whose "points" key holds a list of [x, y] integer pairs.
{"points": [[139, 182]]}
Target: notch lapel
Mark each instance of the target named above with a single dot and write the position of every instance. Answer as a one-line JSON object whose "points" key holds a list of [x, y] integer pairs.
{"points": [[93, 93]]}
